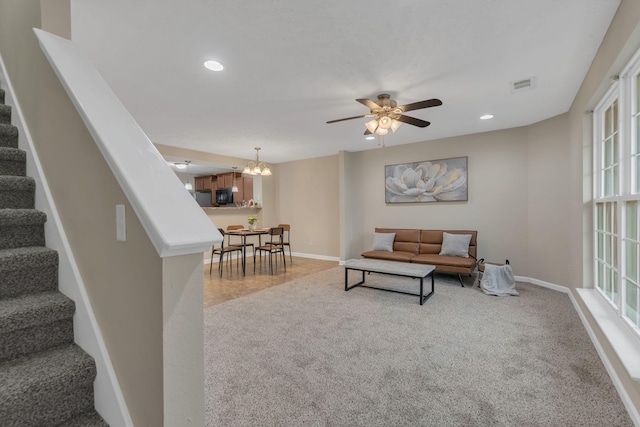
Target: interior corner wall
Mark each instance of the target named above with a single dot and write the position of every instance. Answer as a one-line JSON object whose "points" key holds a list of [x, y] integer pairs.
{"points": [[123, 280], [548, 201], [308, 200]]}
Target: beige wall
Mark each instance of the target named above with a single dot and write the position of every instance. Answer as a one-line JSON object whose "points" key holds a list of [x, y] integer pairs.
{"points": [[123, 280], [498, 194], [307, 199], [547, 205]]}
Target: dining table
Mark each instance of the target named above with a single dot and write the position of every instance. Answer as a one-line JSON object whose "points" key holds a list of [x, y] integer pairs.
{"points": [[244, 233]]}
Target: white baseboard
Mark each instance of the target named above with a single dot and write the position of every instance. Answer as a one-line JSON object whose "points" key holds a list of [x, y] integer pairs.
{"points": [[622, 392], [543, 284], [314, 256]]}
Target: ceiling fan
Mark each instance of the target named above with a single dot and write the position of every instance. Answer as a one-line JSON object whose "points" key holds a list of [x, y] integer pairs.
{"points": [[388, 115]]}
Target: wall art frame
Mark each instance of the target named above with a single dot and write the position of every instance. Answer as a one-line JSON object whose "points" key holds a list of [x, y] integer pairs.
{"points": [[428, 181]]}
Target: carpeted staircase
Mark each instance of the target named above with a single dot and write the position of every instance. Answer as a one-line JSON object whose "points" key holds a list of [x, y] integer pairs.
{"points": [[45, 379]]}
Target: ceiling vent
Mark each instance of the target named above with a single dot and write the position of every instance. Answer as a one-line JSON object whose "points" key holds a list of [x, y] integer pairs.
{"points": [[523, 85]]}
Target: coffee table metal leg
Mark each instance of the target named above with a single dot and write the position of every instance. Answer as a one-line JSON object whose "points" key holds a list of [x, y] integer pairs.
{"points": [[346, 280]]}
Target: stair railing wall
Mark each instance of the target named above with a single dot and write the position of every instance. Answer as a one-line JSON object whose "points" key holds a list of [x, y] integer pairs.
{"points": [[109, 401], [145, 292]]}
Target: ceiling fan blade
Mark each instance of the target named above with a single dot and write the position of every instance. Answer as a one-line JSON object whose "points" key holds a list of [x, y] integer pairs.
{"points": [[369, 103], [413, 121], [349, 118], [419, 105], [367, 132]]}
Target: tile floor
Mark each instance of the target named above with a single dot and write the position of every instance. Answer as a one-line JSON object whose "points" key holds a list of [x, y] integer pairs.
{"points": [[233, 284]]}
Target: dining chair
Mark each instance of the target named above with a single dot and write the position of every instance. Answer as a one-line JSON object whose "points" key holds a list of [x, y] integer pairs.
{"points": [[286, 239], [221, 251], [273, 246], [239, 243]]}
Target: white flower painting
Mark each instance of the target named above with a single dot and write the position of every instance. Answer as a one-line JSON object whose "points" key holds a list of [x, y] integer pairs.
{"points": [[429, 181]]}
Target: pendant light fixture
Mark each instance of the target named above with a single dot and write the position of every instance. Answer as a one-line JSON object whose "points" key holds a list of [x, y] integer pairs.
{"points": [[257, 167], [234, 189], [188, 184]]}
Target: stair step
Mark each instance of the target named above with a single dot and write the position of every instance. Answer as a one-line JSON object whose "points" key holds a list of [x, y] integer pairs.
{"points": [[17, 192], [35, 322], [21, 228], [5, 114], [13, 161], [27, 270], [46, 388], [8, 136]]}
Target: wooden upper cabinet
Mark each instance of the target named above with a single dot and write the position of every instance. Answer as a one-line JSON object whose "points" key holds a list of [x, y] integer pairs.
{"points": [[247, 186], [198, 183], [203, 183], [225, 180]]}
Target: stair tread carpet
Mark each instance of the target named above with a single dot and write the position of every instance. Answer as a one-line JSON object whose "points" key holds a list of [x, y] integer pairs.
{"points": [[29, 257], [16, 183], [69, 363], [8, 136], [13, 217], [46, 388], [34, 309], [17, 192], [13, 154], [5, 114]]}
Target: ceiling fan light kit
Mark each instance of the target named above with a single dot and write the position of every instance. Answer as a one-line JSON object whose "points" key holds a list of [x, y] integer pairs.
{"points": [[388, 115]]}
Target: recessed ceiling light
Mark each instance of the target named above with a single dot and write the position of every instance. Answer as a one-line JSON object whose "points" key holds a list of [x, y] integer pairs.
{"points": [[370, 137], [486, 117], [214, 65]]}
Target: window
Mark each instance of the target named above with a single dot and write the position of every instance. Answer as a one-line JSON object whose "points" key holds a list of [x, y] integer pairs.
{"points": [[617, 196]]}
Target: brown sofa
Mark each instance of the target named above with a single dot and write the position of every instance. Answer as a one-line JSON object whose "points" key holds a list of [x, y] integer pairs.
{"points": [[423, 247]]}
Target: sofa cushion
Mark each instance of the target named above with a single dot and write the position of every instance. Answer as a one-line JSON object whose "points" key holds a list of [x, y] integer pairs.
{"points": [[390, 256], [431, 241], [383, 241], [455, 245], [407, 240], [435, 259]]}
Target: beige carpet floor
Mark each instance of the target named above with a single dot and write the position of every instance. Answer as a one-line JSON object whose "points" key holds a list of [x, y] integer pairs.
{"points": [[307, 353]]}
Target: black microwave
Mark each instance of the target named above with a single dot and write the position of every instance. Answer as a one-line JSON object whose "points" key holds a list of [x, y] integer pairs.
{"points": [[224, 197]]}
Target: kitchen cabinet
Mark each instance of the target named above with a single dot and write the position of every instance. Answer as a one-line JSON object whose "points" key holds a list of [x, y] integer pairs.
{"points": [[203, 183], [225, 180], [245, 189]]}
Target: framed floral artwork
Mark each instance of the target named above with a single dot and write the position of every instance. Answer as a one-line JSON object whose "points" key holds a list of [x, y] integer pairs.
{"points": [[443, 180]]}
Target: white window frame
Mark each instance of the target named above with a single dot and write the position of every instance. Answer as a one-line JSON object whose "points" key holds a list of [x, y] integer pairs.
{"points": [[624, 91]]}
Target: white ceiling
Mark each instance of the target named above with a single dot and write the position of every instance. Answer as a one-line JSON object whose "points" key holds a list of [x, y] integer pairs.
{"points": [[292, 65]]}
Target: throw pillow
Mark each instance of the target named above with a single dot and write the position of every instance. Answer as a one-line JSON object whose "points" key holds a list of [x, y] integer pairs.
{"points": [[383, 241], [455, 245]]}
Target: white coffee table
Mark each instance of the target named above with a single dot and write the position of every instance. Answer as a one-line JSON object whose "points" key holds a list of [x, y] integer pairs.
{"points": [[403, 269]]}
